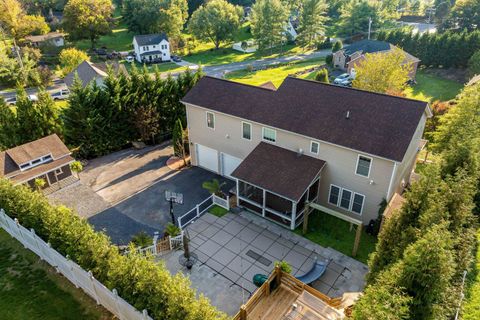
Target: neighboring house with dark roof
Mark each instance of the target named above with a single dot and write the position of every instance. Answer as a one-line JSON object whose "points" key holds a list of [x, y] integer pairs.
{"points": [[97, 72], [343, 148], [151, 47], [347, 58], [56, 39], [47, 158]]}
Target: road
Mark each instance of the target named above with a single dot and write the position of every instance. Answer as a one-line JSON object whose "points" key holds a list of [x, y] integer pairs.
{"points": [[57, 85], [220, 70]]}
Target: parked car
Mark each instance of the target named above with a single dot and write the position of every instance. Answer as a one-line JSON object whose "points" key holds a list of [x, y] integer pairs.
{"points": [[61, 95], [100, 51], [129, 59], [11, 101], [176, 59], [32, 97], [343, 80]]}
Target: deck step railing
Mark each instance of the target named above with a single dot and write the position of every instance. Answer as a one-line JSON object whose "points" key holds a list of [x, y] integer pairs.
{"points": [[201, 208]]}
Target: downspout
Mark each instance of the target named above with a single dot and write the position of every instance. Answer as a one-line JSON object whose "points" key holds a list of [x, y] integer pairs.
{"points": [[390, 186]]}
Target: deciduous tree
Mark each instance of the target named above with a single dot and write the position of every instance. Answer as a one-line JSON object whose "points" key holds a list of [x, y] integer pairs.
{"points": [[88, 19], [465, 14], [17, 23], [215, 21], [382, 72], [312, 22], [356, 14], [269, 19], [70, 58]]}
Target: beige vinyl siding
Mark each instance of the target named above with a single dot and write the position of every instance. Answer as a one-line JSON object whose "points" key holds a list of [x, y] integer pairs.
{"points": [[405, 168], [339, 170]]}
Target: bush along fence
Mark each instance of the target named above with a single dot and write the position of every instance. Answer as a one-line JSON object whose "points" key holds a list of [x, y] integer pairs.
{"points": [[137, 279], [72, 271], [201, 208]]}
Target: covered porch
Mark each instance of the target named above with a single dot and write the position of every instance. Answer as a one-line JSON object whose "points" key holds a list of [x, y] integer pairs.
{"points": [[276, 183]]}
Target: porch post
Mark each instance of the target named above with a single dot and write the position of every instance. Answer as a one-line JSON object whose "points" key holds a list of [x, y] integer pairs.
{"points": [[238, 194], [305, 219], [357, 240], [294, 215], [264, 202]]}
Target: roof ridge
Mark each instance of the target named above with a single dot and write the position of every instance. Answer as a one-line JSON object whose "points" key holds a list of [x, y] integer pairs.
{"points": [[239, 83], [355, 89]]}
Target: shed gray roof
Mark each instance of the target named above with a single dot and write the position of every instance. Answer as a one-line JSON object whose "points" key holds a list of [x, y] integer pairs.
{"points": [[88, 71], [378, 124], [150, 39], [367, 46]]}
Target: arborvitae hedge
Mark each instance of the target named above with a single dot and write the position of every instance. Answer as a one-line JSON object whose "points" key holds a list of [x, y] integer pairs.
{"points": [[141, 282], [448, 49]]}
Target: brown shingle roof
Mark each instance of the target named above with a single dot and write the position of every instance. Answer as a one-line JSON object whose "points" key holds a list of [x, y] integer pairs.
{"points": [[11, 159], [262, 165], [378, 124], [41, 169], [44, 37]]}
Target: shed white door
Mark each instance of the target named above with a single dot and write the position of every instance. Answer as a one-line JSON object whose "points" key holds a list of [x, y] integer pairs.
{"points": [[229, 164], [207, 158]]}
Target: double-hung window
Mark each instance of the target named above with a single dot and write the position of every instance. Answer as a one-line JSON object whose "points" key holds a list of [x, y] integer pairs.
{"points": [[246, 131], [346, 199], [357, 204], [363, 166], [210, 120], [314, 147], [334, 195], [269, 134]]}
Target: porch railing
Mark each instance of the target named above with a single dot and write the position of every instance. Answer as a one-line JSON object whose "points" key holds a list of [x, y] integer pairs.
{"points": [[201, 208]]}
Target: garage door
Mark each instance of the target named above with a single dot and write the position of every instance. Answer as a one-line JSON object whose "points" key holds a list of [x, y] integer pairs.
{"points": [[229, 163], [207, 158]]}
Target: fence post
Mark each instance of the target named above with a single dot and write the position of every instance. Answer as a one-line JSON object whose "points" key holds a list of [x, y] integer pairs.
{"points": [[35, 237], [145, 314], [155, 239], [197, 207], [119, 311], [70, 267], [94, 288], [228, 202], [19, 231]]}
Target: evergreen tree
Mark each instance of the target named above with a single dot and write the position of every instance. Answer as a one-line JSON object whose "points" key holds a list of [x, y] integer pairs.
{"points": [[268, 22], [312, 22]]}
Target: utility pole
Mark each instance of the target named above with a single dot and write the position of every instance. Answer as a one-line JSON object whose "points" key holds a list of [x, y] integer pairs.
{"points": [[369, 27]]}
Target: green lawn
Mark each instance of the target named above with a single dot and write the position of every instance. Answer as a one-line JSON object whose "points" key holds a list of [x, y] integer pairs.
{"points": [[276, 75], [329, 231], [218, 211], [471, 307], [162, 67], [430, 87], [30, 289]]}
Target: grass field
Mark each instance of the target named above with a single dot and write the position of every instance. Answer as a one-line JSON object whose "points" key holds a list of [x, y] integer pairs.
{"points": [[276, 75], [329, 231], [431, 87], [471, 307], [162, 67], [30, 289]]}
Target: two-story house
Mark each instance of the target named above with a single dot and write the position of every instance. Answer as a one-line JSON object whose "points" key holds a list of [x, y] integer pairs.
{"points": [[351, 56], [47, 158], [151, 47], [343, 148]]}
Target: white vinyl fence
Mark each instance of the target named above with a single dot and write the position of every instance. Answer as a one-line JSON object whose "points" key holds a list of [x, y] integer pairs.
{"points": [[201, 208], [73, 272]]}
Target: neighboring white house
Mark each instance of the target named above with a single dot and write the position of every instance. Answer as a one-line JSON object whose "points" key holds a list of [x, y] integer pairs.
{"points": [[151, 47]]}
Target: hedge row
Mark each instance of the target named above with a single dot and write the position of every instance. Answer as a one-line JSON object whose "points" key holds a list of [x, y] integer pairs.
{"points": [[140, 281]]}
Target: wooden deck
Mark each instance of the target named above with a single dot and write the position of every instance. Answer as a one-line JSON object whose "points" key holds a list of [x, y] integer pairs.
{"points": [[283, 297]]}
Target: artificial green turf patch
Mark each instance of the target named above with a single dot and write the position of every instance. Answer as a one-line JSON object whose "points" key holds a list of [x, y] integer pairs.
{"points": [[218, 211]]}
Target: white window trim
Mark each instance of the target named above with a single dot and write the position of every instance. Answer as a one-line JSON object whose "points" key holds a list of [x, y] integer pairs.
{"points": [[30, 164], [330, 193], [363, 203], [369, 168], [349, 202], [318, 148], [263, 135], [206, 119], [251, 130], [59, 171]]}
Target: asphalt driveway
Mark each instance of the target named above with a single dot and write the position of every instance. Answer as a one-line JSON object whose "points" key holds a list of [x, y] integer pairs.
{"points": [[134, 182]]}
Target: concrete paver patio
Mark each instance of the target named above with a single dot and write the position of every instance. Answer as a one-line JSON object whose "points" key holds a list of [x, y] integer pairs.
{"points": [[235, 247]]}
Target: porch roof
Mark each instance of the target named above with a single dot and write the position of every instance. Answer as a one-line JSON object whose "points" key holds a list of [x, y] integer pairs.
{"points": [[279, 170]]}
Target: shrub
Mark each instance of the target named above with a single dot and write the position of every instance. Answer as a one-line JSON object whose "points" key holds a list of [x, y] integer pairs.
{"points": [[140, 281], [329, 60], [142, 239], [337, 46], [172, 230], [322, 76], [474, 64], [326, 44], [284, 266]]}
